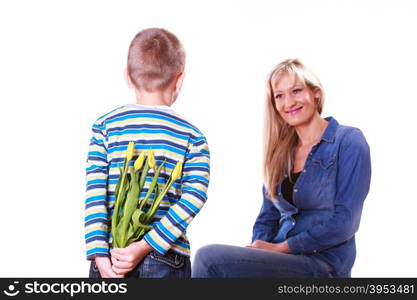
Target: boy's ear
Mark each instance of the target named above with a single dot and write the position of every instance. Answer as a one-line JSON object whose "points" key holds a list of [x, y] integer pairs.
{"points": [[128, 80], [179, 80], [178, 84]]}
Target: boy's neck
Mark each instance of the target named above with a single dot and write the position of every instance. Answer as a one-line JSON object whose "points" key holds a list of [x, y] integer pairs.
{"points": [[155, 98]]}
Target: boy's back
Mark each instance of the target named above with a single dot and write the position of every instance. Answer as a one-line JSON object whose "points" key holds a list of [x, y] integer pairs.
{"points": [[173, 139], [155, 71]]}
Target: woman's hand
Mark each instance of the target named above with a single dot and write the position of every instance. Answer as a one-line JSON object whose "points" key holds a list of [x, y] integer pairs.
{"points": [[126, 259], [105, 268], [276, 247]]}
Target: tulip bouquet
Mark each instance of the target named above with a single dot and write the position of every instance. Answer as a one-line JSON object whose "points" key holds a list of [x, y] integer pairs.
{"points": [[130, 222]]}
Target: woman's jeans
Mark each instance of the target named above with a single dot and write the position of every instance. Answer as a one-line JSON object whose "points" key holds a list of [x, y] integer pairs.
{"points": [[155, 265], [221, 261]]}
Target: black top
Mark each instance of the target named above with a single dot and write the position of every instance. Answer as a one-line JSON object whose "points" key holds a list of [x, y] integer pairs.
{"points": [[287, 187]]}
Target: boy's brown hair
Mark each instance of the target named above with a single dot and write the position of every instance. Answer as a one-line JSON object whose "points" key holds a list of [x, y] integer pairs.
{"points": [[155, 58]]}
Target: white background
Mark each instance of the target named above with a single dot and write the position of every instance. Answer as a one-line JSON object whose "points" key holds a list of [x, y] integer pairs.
{"points": [[61, 67]]}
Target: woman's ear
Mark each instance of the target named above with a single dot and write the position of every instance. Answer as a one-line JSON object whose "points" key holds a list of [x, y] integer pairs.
{"points": [[317, 95], [128, 80]]}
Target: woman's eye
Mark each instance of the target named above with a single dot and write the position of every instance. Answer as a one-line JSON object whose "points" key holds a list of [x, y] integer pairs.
{"points": [[278, 96], [296, 91]]}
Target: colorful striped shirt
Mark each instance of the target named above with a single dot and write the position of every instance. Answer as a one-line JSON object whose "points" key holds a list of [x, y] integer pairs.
{"points": [[172, 139]]}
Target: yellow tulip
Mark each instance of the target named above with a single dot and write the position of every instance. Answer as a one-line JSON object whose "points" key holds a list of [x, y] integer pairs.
{"points": [[176, 173], [130, 150], [139, 161], [151, 159]]}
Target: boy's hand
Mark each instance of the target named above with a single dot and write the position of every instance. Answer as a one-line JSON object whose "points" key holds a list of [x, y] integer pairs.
{"points": [[105, 268], [126, 259]]}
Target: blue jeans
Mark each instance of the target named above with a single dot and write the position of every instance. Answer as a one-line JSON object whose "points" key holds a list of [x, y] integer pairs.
{"points": [[155, 265], [222, 261]]}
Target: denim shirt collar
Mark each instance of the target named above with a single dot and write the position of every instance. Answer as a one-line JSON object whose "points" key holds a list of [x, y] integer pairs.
{"points": [[330, 132]]}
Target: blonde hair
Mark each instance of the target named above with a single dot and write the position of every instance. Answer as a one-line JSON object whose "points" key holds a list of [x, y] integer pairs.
{"points": [[280, 139]]}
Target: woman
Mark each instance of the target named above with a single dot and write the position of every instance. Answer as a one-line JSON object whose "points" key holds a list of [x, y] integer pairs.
{"points": [[317, 175]]}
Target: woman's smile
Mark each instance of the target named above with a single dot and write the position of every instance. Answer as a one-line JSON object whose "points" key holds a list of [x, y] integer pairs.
{"points": [[294, 111]]}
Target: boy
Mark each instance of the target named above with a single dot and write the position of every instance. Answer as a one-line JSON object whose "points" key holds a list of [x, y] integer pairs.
{"points": [[155, 70]]}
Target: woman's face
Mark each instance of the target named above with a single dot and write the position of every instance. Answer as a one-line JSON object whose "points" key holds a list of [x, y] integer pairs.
{"points": [[294, 101]]}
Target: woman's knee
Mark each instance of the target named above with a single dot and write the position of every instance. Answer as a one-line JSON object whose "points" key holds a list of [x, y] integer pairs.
{"points": [[206, 258], [208, 253]]}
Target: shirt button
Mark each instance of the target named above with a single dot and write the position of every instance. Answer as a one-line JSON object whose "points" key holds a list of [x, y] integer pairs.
{"points": [[304, 170], [295, 190]]}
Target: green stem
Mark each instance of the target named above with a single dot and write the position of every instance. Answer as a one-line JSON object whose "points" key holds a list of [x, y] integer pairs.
{"points": [[129, 207], [144, 174], [151, 212], [152, 186], [118, 203]]}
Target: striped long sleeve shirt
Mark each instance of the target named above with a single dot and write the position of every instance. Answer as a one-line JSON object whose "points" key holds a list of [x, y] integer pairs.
{"points": [[172, 139]]}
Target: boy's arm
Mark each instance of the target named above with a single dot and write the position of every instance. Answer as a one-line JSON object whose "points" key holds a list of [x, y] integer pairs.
{"points": [[96, 215], [195, 181]]}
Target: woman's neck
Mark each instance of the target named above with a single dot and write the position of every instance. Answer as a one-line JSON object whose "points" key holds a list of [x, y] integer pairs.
{"points": [[311, 132]]}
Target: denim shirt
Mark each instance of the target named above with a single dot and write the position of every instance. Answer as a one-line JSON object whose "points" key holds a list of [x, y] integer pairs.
{"points": [[328, 198]]}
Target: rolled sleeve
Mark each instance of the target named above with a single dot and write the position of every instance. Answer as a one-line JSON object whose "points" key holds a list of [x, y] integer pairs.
{"points": [[267, 222]]}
